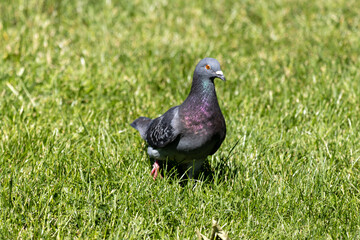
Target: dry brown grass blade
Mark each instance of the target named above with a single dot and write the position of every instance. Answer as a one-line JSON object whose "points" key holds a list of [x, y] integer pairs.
{"points": [[217, 233]]}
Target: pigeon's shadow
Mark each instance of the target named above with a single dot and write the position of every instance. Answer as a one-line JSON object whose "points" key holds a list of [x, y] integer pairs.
{"points": [[219, 171], [209, 173]]}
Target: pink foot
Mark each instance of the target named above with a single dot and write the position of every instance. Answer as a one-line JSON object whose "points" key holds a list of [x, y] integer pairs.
{"points": [[155, 170]]}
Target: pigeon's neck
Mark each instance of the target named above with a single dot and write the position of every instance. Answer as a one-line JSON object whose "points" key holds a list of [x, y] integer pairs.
{"points": [[202, 92]]}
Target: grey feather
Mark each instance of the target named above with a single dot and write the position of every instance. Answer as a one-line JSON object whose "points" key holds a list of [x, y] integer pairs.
{"points": [[141, 124]]}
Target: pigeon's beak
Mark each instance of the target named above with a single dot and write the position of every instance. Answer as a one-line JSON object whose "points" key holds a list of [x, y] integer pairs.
{"points": [[220, 74]]}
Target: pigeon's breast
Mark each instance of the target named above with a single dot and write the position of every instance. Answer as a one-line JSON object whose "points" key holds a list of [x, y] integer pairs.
{"points": [[202, 131]]}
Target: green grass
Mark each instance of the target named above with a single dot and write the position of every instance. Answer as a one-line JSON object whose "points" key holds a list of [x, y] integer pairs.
{"points": [[74, 74]]}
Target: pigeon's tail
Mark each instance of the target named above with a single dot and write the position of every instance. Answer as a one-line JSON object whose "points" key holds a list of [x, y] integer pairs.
{"points": [[141, 124]]}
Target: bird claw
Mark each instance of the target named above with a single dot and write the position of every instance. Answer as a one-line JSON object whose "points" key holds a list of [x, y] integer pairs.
{"points": [[155, 170]]}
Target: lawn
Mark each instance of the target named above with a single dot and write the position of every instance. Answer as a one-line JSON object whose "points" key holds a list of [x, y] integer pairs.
{"points": [[74, 74]]}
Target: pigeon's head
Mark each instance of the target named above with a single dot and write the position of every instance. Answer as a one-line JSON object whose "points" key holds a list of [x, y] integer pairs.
{"points": [[208, 68]]}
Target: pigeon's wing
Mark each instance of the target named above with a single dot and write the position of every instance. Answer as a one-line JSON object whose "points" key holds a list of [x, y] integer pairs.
{"points": [[164, 129]]}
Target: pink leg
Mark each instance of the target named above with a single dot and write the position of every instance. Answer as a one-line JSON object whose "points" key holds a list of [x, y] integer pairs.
{"points": [[155, 170]]}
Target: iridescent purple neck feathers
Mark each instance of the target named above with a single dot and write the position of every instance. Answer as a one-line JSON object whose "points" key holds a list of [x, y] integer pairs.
{"points": [[200, 111]]}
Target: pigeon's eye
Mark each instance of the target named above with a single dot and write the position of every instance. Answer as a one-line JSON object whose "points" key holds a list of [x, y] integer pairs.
{"points": [[207, 67]]}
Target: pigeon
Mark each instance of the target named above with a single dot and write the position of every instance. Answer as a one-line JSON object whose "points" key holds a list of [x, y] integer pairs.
{"points": [[187, 134]]}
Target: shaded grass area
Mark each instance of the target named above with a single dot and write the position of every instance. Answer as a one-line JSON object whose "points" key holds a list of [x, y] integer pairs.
{"points": [[74, 74]]}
